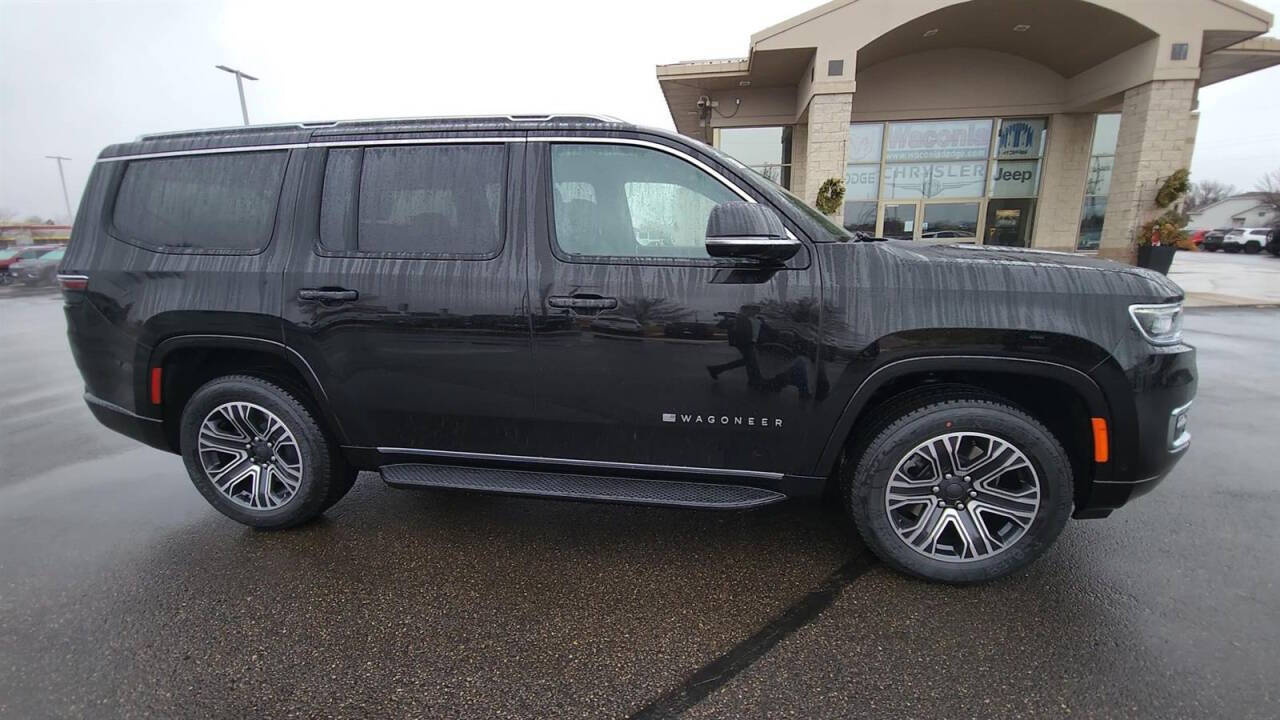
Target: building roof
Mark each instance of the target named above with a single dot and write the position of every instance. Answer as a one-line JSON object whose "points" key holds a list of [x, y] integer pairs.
{"points": [[1249, 196]]}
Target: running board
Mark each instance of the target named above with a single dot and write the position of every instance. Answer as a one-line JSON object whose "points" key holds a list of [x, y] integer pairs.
{"points": [[674, 493]]}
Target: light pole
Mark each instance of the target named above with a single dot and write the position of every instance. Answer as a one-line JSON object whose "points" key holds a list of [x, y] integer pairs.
{"points": [[240, 78], [66, 199]]}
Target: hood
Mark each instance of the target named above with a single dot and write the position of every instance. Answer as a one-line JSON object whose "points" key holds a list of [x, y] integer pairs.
{"points": [[1157, 286]]}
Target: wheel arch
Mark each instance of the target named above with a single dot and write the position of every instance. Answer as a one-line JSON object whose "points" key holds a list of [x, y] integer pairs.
{"points": [[1033, 384], [188, 361]]}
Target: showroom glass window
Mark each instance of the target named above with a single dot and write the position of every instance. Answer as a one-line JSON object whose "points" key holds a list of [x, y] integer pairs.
{"points": [[1102, 160], [767, 150], [1015, 181], [945, 179]]}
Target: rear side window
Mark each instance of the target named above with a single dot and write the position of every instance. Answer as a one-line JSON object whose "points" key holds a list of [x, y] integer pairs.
{"points": [[417, 200], [219, 202]]}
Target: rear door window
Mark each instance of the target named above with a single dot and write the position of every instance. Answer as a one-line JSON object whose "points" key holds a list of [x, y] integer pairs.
{"points": [[216, 202], [425, 200]]}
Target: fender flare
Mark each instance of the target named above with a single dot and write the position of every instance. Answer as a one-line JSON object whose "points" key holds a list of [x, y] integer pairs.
{"points": [[1074, 378], [217, 341]]}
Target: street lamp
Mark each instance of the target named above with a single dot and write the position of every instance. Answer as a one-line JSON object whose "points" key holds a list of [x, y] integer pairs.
{"points": [[240, 78], [66, 199]]}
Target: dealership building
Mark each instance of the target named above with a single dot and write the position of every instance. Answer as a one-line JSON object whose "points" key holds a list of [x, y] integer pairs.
{"points": [[1041, 123]]}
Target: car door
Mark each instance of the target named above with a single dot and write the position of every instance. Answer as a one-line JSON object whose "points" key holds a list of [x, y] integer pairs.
{"points": [[407, 291], [649, 352]]}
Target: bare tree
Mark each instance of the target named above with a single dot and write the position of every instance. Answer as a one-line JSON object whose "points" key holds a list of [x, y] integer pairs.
{"points": [[1269, 189], [1207, 193]]}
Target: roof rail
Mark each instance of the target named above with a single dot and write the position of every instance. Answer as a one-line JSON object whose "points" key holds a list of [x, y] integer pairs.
{"points": [[311, 125]]}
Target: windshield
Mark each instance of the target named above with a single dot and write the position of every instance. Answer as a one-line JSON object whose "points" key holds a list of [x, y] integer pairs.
{"points": [[780, 193], [53, 255]]}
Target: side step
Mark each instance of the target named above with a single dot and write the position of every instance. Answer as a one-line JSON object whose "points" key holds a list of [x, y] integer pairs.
{"points": [[675, 493]]}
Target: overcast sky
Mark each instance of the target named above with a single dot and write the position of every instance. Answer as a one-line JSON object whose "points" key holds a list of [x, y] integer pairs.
{"points": [[75, 76]]}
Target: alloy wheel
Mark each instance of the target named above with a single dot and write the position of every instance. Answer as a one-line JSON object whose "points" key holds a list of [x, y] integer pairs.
{"points": [[250, 456], [962, 496]]}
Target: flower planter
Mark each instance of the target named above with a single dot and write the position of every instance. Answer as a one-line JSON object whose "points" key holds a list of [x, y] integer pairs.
{"points": [[1158, 258]]}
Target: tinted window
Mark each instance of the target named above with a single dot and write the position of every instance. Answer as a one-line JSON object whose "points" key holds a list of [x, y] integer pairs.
{"points": [[210, 202], [431, 199], [624, 201]]}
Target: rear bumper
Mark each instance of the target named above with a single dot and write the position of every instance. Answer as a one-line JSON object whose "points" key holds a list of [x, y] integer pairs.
{"points": [[143, 429]]}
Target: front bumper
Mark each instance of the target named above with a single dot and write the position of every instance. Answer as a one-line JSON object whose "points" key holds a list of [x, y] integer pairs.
{"points": [[1158, 435]]}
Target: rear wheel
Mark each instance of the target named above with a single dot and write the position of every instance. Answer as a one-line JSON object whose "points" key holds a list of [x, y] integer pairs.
{"points": [[1253, 248], [961, 490], [1231, 248], [258, 455]]}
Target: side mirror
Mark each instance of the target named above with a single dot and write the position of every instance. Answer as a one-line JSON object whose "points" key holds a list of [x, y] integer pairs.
{"points": [[748, 231]]}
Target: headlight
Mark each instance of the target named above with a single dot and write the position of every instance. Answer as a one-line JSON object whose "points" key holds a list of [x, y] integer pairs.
{"points": [[1159, 324]]}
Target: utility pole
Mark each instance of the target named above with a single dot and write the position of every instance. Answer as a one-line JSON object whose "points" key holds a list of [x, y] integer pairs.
{"points": [[66, 199], [240, 78]]}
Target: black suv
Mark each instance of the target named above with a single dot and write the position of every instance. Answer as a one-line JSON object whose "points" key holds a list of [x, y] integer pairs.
{"points": [[575, 307]]}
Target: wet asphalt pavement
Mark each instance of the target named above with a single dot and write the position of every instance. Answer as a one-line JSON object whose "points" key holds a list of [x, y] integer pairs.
{"points": [[123, 595]]}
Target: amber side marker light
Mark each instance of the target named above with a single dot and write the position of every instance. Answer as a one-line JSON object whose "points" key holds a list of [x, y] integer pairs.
{"points": [[155, 385], [1101, 446]]}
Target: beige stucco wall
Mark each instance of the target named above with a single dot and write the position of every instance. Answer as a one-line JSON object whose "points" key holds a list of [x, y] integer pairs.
{"points": [[960, 82]]}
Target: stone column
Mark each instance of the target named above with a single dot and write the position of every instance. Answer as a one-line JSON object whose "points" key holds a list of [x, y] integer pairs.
{"points": [[1066, 162], [799, 158], [825, 141], [1157, 135]]}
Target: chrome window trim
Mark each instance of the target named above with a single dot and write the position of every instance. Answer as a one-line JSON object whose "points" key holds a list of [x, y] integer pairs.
{"points": [[203, 151], [595, 139], [417, 141], [581, 463]]}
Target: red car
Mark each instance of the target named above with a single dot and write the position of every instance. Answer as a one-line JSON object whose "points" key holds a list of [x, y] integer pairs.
{"points": [[1197, 237], [10, 257]]}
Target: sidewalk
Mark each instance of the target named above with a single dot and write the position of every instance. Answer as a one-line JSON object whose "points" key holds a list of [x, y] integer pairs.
{"points": [[1219, 280]]}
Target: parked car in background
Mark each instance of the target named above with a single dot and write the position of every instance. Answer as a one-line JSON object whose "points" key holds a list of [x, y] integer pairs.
{"points": [[1273, 243], [10, 258], [42, 270], [1197, 237], [1213, 239], [1250, 240]]}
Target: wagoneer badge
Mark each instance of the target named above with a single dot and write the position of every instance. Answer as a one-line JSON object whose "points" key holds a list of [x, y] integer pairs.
{"points": [[688, 419]]}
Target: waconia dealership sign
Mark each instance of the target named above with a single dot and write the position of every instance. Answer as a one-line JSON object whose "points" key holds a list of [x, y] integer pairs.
{"points": [[943, 140]]}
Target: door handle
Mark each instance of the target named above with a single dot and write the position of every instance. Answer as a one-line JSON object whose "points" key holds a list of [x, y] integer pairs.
{"points": [[328, 294], [582, 302]]}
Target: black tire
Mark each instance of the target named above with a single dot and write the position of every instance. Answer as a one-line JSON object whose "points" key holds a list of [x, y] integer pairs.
{"points": [[1210, 249], [1233, 249], [325, 477], [1274, 250], [865, 484], [1252, 248]]}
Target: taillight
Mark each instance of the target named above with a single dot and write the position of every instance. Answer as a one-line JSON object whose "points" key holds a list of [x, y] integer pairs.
{"points": [[78, 283]]}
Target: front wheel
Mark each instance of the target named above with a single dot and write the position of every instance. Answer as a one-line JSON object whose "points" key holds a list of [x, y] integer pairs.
{"points": [[961, 490], [258, 455]]}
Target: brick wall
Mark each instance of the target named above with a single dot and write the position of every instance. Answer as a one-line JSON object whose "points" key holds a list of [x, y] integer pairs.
{"points": [[1066, 164], [825, 142], [1157, 135]]}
